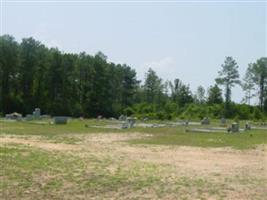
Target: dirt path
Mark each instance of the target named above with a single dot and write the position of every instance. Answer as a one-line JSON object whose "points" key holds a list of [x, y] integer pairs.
{"points": [[39, 144]]}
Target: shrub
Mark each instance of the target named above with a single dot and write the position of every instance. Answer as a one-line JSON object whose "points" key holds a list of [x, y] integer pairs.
{"points": [[128, 111]]}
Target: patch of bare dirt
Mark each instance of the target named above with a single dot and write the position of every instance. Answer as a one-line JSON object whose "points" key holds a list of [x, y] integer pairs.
{"points": [[39, 144], [202, 160], [237, 172], [193, 160]]}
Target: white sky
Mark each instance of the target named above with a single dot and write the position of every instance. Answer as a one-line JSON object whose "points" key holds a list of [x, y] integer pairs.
{"points": [[181, 40]]}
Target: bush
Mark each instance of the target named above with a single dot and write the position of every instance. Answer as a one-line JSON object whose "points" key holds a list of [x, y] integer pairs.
{"points": [[257, 114], [160, 116], [236, 119], [128, 111]]}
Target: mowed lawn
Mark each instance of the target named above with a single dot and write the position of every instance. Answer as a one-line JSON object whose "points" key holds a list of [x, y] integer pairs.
{"points": [[40, 160]]}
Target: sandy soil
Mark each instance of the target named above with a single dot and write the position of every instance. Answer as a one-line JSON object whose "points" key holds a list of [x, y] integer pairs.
{"points": [[194, 160], [209, 163], [37, 143]]}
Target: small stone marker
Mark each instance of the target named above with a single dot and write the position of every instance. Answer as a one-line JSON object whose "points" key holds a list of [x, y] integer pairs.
{"points": [[45, 116], [131, 122], [205, 121], [247, 126], [37, 113], [29, 117], [60, 120], [14, 116], [235, 127], [122, 118]]}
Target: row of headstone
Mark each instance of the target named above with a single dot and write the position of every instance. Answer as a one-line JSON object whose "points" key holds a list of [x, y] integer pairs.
{"points": [[206, 121], [36, 114], [234, 128], [260, 124]]}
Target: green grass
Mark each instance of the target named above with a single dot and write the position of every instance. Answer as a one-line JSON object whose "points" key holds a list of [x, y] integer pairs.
{"points": [[160, 136], [172, 136], [31, 128], [42, 174], [25, 169], [45, 174]]}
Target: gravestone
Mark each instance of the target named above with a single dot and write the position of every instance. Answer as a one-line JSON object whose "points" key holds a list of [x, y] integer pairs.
{"points": [[60, 120], [235, 127], [37, 113], [45, 116], [131, 122], [29, 117], [122, 118], [14, 116], [205, 121], [247, 126]]}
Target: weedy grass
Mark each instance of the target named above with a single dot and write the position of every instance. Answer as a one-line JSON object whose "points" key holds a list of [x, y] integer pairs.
{"points": [[41, 174], [27, 170], [176, 136], [44, 174], [159, 136]]}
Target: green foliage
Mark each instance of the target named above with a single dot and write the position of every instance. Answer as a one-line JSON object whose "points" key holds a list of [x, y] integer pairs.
{"points": [[59, 83], [153, 87], [180, 93], [257, 114], [128, 111], [257, 75], [194, 111], [228, 77], [214, 95], [200, 95]]}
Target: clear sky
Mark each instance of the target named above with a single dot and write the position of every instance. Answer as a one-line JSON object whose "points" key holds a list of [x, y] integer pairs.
{"points": [[185, 40]]}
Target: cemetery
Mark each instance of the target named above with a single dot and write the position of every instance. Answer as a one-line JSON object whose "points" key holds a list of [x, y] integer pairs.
{"points": [[176, 109], [134, 145]]}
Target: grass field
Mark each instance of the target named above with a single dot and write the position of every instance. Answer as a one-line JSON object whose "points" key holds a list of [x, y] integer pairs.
{"points": [[40, 160]]}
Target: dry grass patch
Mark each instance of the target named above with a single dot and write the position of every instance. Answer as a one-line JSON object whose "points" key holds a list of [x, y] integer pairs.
{"points": [[106, 166]]}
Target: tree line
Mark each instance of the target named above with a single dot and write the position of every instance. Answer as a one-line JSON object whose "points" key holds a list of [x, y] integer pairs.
{"points": [[33, 75]]}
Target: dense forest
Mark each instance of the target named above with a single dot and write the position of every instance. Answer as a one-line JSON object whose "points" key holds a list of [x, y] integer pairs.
{"points": [[59, 83]]}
